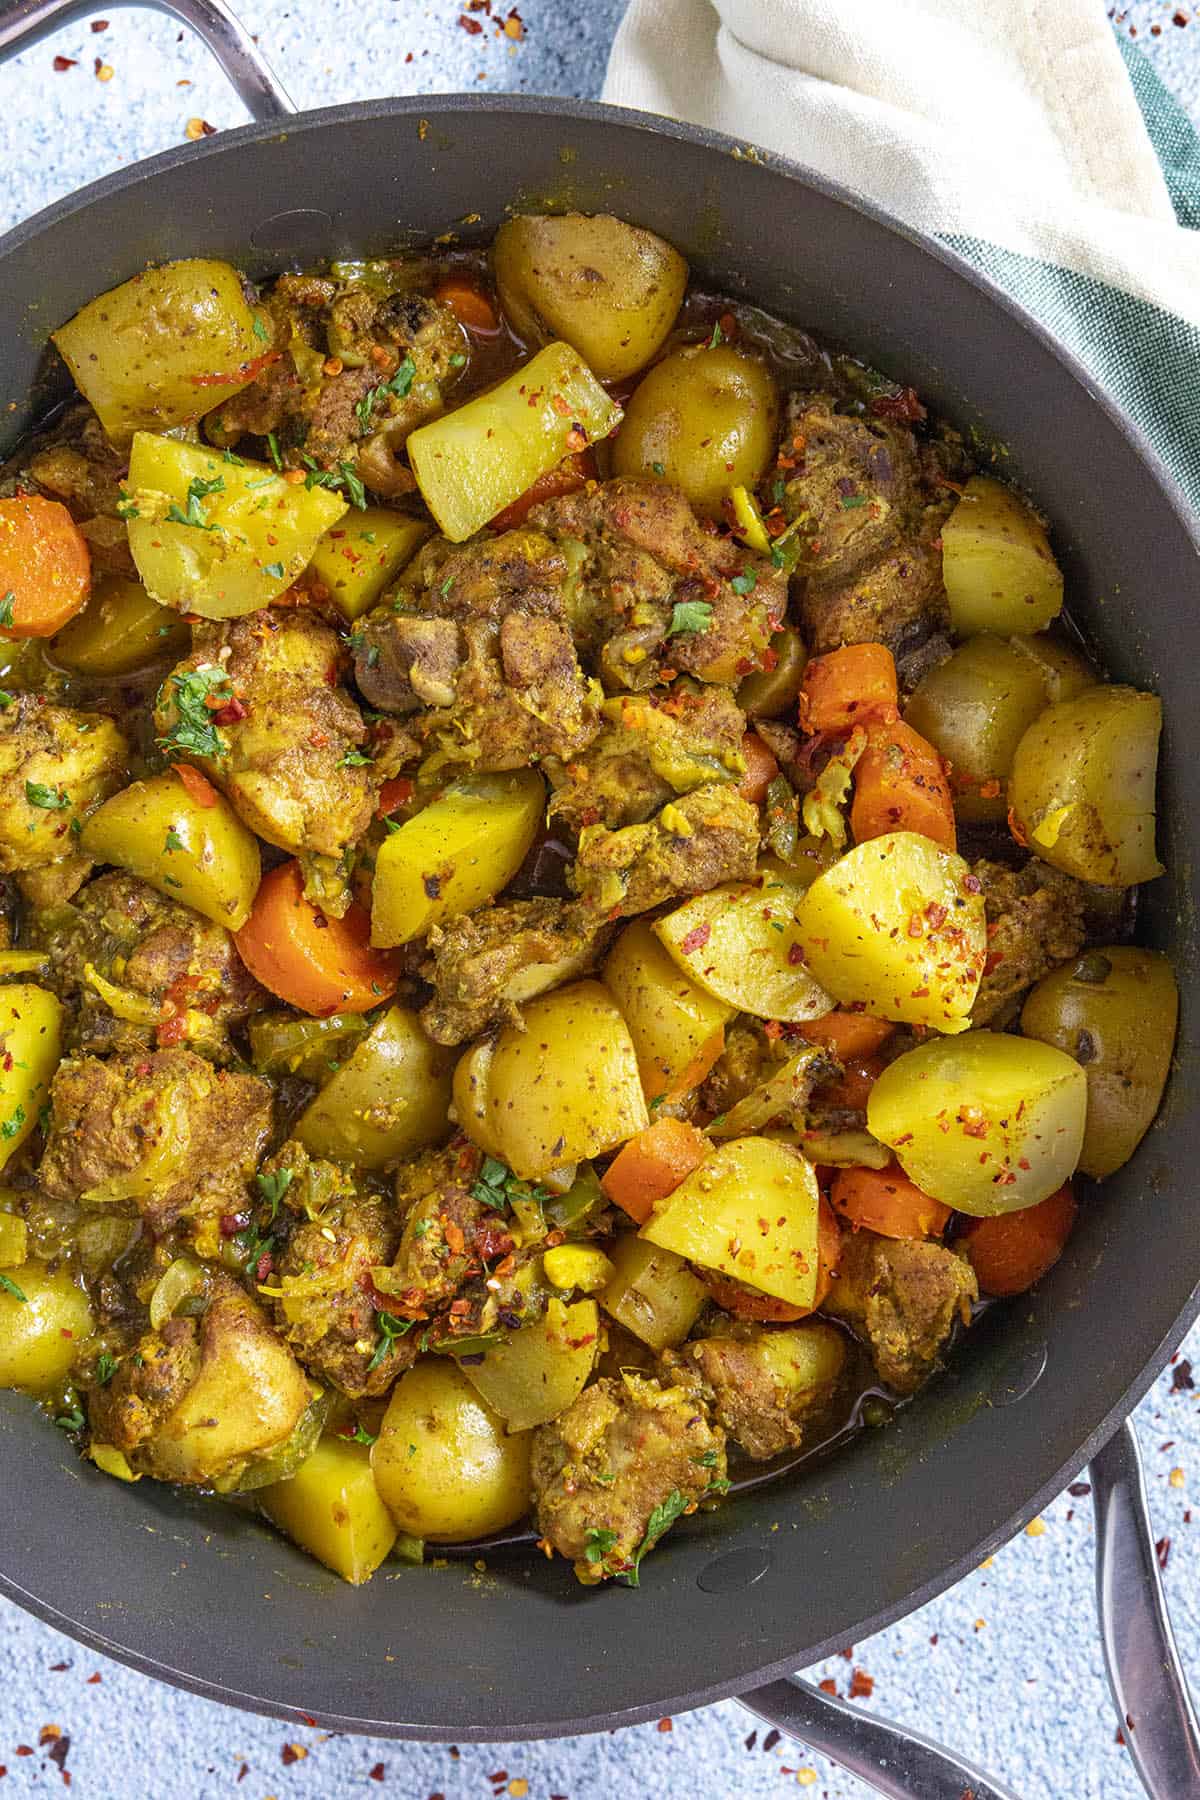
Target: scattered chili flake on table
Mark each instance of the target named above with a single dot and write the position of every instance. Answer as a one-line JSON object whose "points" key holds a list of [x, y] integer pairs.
{"points": [[292, 1753], [1036, 1528], [104, 71], [666, 1725], [1162, 1551], [99, 24], [1179, 18], [829, 1686], [66, 62], [199, 128], [57, 1668], [243, 1772], [514, 26], [1078, 1489], [1182, 1380], [771, 1739], [377, 1773], [518, 1787], [862, 1685], [94, 1680], [471, 26]]}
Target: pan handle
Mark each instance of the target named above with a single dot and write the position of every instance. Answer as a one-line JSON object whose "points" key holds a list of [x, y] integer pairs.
{"points": [[25, 21], [1144, 1670], [893, 1759]]}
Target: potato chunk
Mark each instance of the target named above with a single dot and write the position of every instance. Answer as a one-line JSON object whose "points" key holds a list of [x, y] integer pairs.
{"points": [[749, 1211], [987, 1124], [331, 1508], [705, 419], [443, 1462], [199, 854], [217, 537], [678, 1029], [387, 1099], [359, 557], [896, 927], [1082, 785], [165, 347], [30, 1038], [119, 631], [539, 1369], [44, 1320], [652, 1293], [742, 943], [997, 564]]}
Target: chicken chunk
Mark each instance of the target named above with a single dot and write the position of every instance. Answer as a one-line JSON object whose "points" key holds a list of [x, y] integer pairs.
{"points": [[451, 1231], [164, 1132], [57, 766], [207, 1396], [694, 843], [1035, 920], [898, 600], [650, 748], [613, 1472], [285, 742], [904, 1297], [77, 464], [484, 964], [651, 589], [849, 482], [150, 949], [770, 1389]]}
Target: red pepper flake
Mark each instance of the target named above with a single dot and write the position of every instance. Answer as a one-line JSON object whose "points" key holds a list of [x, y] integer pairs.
{"points": [[243, 1772], [829, 1686], [934, 1640], [472, 27], [292, 1753], [751, 1740], [231, 713], [99, 25], [1181, 1377], [862, 1685], [1120, 1737], [194, 130], [1079, 1489], [903, 405], [65, 62], [263, 1266], [57, 1668], [771, 1739], [1162, 1551], [24, 1749], [666, 1725], [696, 938], [795, 955], [1179, 18], [103, 70], [95, 1680], [376, 1773]]}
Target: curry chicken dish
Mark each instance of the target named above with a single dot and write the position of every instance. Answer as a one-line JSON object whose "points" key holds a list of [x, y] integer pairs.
{"points": [[569, 896]]}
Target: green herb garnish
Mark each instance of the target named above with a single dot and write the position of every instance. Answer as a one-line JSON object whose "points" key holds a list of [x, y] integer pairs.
{"points": [[10, 1287], [390, 1328], [274, 570], [600, 1541], [688, 617], [194, 730], [660, 1521], [260, 331], [745, 583], [354, 759], [198, 490], [50, 799], [106, 1368]]}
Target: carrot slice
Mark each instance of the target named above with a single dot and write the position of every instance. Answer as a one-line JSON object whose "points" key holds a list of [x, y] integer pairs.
{"points": [[849, 686], [886, 1201], [398, 791], [317, 964], [470, 306], [761, 769], [197, 786], [900, 784], [652, 1165], [572, 473], [1013, 1250], [747, 1303], [848, 1035], [45, 567]]}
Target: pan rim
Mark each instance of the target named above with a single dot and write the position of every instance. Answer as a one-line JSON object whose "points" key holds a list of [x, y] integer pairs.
{"points": [[653, 126]]}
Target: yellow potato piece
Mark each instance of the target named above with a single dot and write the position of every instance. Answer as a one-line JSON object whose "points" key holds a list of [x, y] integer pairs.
{"points": [[742, 943], [455, 854], [541, 1368], [331, 1508], [749, 1211], [1082, 785], [653, 1292], [30, 1039], [42, 1333], [443, 1462], [145, 354], [559, 1088], [997, 564], [201, 855], [388, 1099], [678, 1029], [987, 1123], [975, 708], [703, 419], [362, 554], [217, 536], [120, 630], [895, 928], [476, 460]]}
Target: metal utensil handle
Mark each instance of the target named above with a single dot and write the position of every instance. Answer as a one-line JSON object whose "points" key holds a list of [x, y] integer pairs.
{"points": [[25, 21], [1144, 1671], [891, 1758]]}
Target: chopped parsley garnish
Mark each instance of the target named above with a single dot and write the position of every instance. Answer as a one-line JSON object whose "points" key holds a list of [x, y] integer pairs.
{"points": [[458, 360], [498, 1187], [106, 1368], [390, 1328], [6, 700], [718, 336], [13, 1124], [446, 586], [273, 1187], [659, 468], [600, 1541], [344, 476], [127, 508], [397, 384], [194, 730], [239, 462], [660, 1521], [273, 449], [360, 1435], [354, 759], [174, 841], [421, 1227], [71, 1421], [260, 331], [745, 583], [198, 490], [274, 570], [50, 799], [849, 501], [688, 617], [10, 1287], [707, 1461]]}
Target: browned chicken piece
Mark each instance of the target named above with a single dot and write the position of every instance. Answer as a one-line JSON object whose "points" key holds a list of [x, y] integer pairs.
{"points": [[201, 1401], [484, 964], [694, 843], [57, 765], [747, 1060], [1035, 920], [77, 465], [320, 1289], [770, 1389], [652, 589], [358, 369], [451, 1231], [289, 740], [148, 946], [165, 1133], [853, 485], [614, 1472], [897, 600], [904, 1297], [650, 747]]}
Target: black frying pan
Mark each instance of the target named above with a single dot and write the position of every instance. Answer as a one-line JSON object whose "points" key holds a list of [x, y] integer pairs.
{"points": [[202, 1596]]}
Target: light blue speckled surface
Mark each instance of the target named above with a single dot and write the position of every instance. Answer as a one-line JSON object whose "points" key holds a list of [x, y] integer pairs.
{"points": [[1006, 1665]]}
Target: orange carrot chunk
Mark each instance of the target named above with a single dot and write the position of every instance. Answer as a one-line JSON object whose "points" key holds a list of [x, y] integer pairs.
{"points": [[317, 964], [886, 1201], [45, 567], [900, 784], [198, 787], [848, 687], [572, 473], [652, 1165], [1013, 1250], [848, 1035], [761, 769], [470, 306]]}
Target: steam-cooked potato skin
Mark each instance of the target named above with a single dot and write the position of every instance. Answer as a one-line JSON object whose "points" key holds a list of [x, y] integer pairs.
{"points": [[703, 419], [443, 1463]]}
